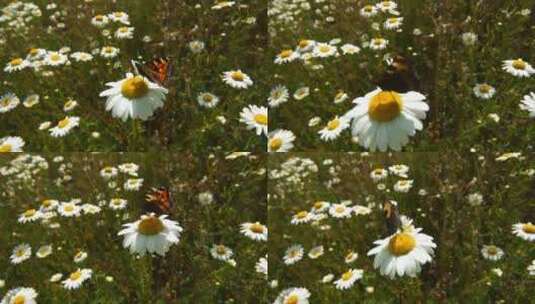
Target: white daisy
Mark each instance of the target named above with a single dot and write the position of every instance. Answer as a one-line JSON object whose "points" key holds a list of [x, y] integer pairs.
{"points": [[70, 105], [333, 128], [69, 209], [56, 277], [301, 93], [293, 254], [82, 56], [399, 170], [31, 100], [8, 102], [133, 184], [323, 50], [108, 172], [35, 54], [109, 52], [121, 17], [278, 96], [207, 100], [528, 104], [378, 43], [386, 119], [484, 91], [316, 252], [348, 278], [100, 21], [293, 295], [16, 64], [351, 257], [305, 46], [320, 206], [20, 295], [280, 141], [151, 234], [30, 215], [393, 23], [525, 231], [350, 49], [124, 32], [531, 268], [133, 96], [80, 256], [518, 68], [403, 186], [118, 203], [21, 253], [55, 59], [11, 144], [256, 118], [129, 168], [91, 209], [340, 211], [327, 278], [254, 231], [403, 253], [387, 6], [221, 252], [44, 251], [237, 79], [368, 11], [48, 205], [77, 278], [491, 252], [261, 266], [64, 126], [302, 217], [286, 56], [378, 174]]}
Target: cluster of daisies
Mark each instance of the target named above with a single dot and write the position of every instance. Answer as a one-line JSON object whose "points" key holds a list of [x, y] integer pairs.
{"points": [[381, 119]]}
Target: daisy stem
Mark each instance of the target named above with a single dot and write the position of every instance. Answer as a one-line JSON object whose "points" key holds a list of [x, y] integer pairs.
{"points": [[135, 134]]}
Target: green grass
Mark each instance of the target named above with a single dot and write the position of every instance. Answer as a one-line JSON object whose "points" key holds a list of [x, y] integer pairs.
{"points": [[187, 274]]}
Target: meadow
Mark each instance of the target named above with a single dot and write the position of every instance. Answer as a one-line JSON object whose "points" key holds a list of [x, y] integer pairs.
{"points": [[57, 58], [326, 212], [328, 55], [70, 208]]}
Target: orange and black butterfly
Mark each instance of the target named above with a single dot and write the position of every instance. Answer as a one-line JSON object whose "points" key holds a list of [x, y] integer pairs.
{"points": [[159, 201], [158, 70], [399, 76], [392, 219]]}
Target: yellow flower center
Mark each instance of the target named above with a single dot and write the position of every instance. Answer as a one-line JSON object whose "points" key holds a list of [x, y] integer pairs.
{"points": [[333, 124], [318, 205], [63, 123], [134, 87], [75, 275], [301, 215], [303, 43], [261, 119], [220, 249], [492, 250], [46, 203], [118, 14], [401, 244], [385, 106], [150, 226], [529, 228], [30, 213], [78, 255], [99, 17], [16, 61], [368, 8], [237, 76], [34, 51], [69, 208], [257, 228], [20, 252], [5, 102], [293, 299], [55, 57], [286, 53], [208, 98], [123, 29], [484, 88], [347, 275], [339, 209], [324, 49], [5, 147], [20, 299], [275, 144], [349, 256], [519, 64]]}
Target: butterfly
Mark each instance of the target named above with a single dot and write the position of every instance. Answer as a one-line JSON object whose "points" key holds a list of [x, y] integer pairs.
{"points": [[399, 76], [159, 201], [158, 70], [393, 222]]}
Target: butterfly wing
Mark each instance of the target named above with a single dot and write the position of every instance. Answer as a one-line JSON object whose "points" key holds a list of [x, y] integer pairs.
{"points": [[159, 201], [398, 77], [157, 70]]}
